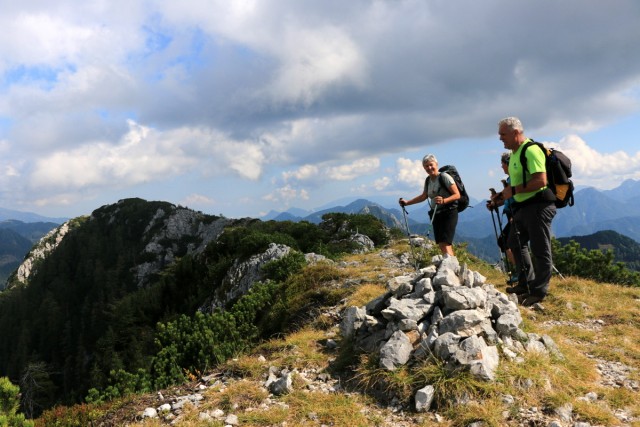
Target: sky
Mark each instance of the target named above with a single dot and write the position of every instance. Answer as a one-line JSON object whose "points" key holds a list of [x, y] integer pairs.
{"points": [[240, 107]]}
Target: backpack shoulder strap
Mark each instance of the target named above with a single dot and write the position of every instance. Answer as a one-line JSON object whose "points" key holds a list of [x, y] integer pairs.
{"points": [[442, 183], [523, 159]]}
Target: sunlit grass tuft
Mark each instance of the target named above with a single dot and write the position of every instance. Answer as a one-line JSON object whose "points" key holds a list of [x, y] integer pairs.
{"points": [[236, 396], [364, 294], [301, 348], [325, 409]]}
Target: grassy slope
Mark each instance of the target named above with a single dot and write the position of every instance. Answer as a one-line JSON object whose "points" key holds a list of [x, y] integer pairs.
{"points": [[590, 322]]}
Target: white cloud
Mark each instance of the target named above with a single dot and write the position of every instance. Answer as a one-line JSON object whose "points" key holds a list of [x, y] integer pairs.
{"points": [[72, 34], [145, 154], [303, 173], [59, 199], [603, 170], [243, 158], [353, 170], [320, 173], [312, 61], [197, 200], [286, 195], [410, 172], [140, 156], [381, 183]]}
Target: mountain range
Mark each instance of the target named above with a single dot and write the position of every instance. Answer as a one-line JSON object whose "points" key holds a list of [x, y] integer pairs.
{"points": [[594, 210], [27, 217]]}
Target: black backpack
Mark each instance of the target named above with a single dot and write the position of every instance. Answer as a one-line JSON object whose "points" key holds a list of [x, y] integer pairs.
{"points": [[463, 201], [558, 167]]}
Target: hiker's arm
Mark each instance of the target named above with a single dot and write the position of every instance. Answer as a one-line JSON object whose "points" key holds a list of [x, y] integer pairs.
{"points": [[536, 182], [417, 199], [455, 195]]}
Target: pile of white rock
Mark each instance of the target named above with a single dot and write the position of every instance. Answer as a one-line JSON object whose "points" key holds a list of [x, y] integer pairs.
{"points": [[445, 310]]}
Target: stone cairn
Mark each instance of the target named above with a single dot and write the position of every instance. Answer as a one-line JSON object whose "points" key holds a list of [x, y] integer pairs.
{"points": [[448, 311]]}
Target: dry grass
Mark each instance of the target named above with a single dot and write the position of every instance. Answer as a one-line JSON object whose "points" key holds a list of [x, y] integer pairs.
{"points": [[364, 294], [300, 349], [237, 396], [246, 366]]}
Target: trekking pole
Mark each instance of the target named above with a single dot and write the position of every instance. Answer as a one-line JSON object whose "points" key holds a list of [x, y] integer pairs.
{"points": [[406, 224], [495, 230], [503, 254], [506, 263], [433, 215], [523, 269], [556, 270]]}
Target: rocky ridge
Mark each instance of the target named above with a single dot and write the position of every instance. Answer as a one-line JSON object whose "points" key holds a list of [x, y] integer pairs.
{"points": [[171, 232], [47, 244], [165, 232]]}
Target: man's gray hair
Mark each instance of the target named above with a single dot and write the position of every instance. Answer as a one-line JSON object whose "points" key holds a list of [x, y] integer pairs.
{"points": [[429, 158], [513, 123], [505, 157]]}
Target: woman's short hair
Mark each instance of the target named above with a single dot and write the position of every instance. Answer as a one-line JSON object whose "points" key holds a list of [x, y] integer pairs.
{"points": [[513, 123], [505, 158], [429, 158]]}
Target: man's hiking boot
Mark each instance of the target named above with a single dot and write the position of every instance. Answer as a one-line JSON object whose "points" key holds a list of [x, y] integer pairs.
{"points": [[531, 300], [513, 279], [518, 290]]}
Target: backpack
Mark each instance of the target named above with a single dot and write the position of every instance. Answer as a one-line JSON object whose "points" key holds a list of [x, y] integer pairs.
{"points": [[463, 201], [558, 167]]}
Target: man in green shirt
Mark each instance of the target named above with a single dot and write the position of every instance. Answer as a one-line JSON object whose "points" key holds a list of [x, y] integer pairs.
{"points": [[533, 212]]}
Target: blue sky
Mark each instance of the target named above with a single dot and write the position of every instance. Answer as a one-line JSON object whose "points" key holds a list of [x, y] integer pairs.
{"points": [[242, 107]]}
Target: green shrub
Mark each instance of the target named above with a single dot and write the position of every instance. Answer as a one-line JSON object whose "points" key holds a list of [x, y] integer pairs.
{"points": [[192, 345], [278, 270], [341, 226], [9, 397], [573, 260], [9, 403]]}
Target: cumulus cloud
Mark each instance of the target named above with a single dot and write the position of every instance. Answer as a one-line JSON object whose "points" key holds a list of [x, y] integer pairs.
{"points": [[197, 200], [354, 169], [342, 172], [313, 61], [592, 167], [140, 156], [286, 195], [303, 173], [410, 171], [381, 183], [145, 154]]}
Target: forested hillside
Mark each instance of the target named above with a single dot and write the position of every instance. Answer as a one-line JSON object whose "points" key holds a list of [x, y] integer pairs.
{"points": [[624, 248], [91, 307]]}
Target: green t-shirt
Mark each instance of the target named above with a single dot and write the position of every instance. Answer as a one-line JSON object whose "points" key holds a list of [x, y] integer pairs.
{"points": [[536, 163]]}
